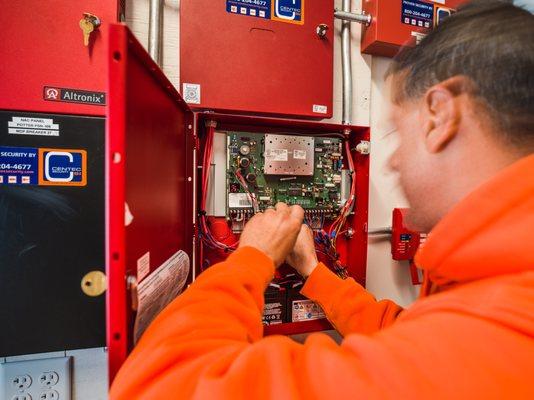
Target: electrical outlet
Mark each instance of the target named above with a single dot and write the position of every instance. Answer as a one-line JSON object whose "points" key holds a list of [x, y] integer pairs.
{"points": [[21, 382], [48, 379], [49, 395], [42, 379], [23, 396]]}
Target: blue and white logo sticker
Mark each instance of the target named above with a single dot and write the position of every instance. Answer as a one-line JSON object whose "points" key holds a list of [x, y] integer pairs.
{"points": [[250, 8], [417, 13], [18, 166], [291, 11], [62, 167], [288, 11]]}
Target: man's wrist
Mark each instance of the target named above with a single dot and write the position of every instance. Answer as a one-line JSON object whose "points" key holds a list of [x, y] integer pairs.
{"points": [[309, 268]]}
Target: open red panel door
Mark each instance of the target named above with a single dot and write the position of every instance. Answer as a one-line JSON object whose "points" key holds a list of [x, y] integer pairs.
{"points": [[149, 159]]}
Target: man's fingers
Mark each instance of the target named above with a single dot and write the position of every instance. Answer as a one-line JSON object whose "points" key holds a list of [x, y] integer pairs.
{"points": [[297, 212], [269, 211], [282, 208]]}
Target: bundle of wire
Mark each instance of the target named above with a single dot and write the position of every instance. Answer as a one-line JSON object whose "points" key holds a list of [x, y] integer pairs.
{"points": [[205, 232], [325, 242]]}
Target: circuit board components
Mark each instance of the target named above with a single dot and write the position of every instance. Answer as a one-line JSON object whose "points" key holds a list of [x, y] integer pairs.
{"points": [[264, 169]]}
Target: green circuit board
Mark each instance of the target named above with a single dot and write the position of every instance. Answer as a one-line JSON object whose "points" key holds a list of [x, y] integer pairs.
{"points": [[284, 168]]}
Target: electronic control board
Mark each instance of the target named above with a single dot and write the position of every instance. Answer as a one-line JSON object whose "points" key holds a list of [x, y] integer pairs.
{"points": [[264, 169]]}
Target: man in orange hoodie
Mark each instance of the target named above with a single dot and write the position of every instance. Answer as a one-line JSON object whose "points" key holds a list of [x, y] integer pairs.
{"points": [[463, 106]]}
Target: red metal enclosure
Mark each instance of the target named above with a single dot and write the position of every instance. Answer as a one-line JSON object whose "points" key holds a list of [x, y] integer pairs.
{"points": [[353, 251], [42, 45], [397, 22], [234, 61], [404, 242], [149, 157]]}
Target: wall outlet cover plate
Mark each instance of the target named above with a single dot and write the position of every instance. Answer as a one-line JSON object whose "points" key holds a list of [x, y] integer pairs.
{"points": [[47, 379]]}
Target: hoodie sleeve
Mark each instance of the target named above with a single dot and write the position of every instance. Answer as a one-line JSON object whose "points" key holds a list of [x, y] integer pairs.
{"points": [[208, 345], [347, 305]]}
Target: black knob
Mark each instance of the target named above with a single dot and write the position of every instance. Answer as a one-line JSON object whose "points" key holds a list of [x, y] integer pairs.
{"points": [[251, 178], [244, 162]]}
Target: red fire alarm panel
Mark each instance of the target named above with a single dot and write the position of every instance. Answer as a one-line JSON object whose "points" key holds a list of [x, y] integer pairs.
{"points": [[271, 57], [397, 22], [156, 183], [53, 55]]}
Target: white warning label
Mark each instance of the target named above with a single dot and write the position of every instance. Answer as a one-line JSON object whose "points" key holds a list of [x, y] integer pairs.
{"points": [[306, 310], [33, 126], [159, 290], [320, 109], [299, 154], [239, 200], [276, 155], [143, 266]]}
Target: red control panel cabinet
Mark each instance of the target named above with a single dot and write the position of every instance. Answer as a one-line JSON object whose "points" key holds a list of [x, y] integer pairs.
{"points": [[155, 145], [258, 57], [42, 45], [397, 22]]}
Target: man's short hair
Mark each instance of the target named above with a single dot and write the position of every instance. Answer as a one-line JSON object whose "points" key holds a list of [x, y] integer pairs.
{"points": [[491, 43]]}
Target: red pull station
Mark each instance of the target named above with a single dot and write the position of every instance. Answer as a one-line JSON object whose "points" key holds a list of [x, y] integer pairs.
{"points": [[404, 242]]}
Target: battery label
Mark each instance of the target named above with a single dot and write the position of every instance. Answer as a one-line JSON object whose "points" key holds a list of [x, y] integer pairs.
{"points": [[289, 11], [306, 310], [44, 167], [417, 13]]}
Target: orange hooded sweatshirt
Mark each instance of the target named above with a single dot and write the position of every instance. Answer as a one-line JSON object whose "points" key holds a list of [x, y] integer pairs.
{"points": [[472, 338]]}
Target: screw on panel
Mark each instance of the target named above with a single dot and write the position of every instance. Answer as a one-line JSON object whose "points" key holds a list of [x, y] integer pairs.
{"points": [[322, 30]]}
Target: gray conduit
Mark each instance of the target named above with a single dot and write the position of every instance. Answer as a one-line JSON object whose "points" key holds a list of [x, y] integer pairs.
{"points": [[347, 66], [155, 30]]}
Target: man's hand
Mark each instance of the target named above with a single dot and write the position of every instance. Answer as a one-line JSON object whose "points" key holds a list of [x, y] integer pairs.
{"points": [[303, 257], [274, 232]]}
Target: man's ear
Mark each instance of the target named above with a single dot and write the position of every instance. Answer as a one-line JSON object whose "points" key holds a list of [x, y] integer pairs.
{"points": [[443, 112]]}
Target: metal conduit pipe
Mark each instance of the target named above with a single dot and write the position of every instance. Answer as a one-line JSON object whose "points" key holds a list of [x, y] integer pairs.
{"points": [[155, 30], [347, 66], [380, 232], [365, 19]]}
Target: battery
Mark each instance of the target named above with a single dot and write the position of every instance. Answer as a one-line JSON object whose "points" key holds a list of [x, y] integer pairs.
{"points": [[275, 311]]}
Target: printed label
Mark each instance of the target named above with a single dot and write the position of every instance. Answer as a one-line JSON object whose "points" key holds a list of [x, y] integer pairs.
{"points": [[288, 11], [143, 266], [418, 36], [319, 109], [299, 154], [18, 165], [62, 167], [45, 167], [191, 93], [306, 310], [74, 96], [160, 289], [32, 126], [239, 200], [291, 11], [417, 13], [276, 155], [272, 313]]}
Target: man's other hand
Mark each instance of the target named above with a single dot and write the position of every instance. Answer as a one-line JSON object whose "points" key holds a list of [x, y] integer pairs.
{"points": [[303, 257], [274, 232]]}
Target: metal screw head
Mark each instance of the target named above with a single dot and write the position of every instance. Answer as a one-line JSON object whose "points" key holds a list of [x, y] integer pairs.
{"points": [[322, 30]]}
